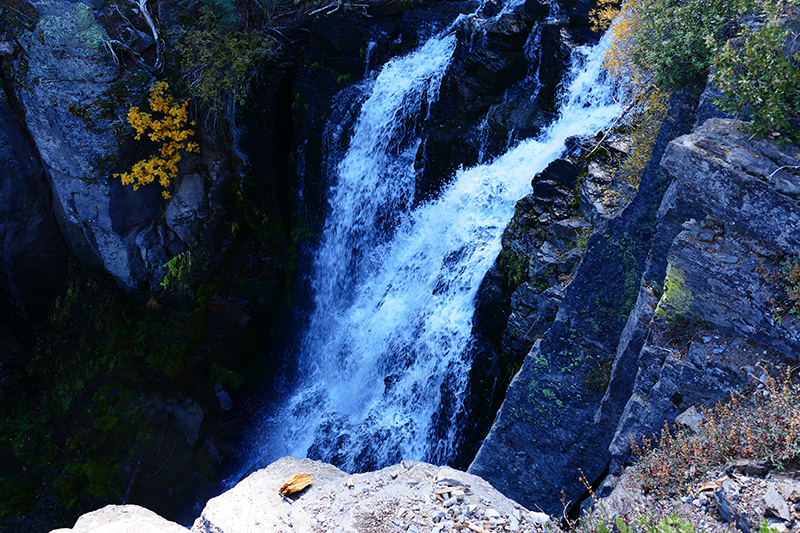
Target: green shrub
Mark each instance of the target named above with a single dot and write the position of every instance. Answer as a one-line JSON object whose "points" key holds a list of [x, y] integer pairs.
{"points": [[755, 76], [670, 44], [676, 39], [665, 43]]}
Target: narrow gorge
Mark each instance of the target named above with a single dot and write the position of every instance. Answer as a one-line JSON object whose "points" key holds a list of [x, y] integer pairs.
{"points": [[412, 241]]}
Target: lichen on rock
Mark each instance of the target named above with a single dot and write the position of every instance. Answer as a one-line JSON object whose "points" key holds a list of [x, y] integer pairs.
{"points": [[677, 298]]}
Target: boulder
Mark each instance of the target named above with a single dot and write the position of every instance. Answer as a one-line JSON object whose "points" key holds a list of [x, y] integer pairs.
{"points": [[405, 497], [774, 504], [123, 519]]}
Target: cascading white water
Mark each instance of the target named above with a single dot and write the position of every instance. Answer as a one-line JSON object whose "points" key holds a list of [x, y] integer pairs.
{"points": [[384, 365]]}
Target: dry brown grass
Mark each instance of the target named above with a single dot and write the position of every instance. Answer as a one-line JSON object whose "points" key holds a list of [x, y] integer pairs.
{"points": [[760, 425]]}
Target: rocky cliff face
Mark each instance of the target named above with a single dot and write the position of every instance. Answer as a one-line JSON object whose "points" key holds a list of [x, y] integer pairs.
{"points": [[732, 211], [677, 294], [75, 98]]}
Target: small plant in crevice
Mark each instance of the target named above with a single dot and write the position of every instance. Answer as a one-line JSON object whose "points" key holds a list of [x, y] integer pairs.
{"points": [[178, 269], [171, 129], [786, 279], [582, 239], [679, 332], [599, 375], [513, 268], [628, 517]]}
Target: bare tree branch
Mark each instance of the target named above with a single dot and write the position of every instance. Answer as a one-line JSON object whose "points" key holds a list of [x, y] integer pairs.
{"points": [[158, 65], [784, 167]]}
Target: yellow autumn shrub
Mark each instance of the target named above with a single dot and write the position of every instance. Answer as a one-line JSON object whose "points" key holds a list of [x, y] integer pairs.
{"points": [[168, 124]]}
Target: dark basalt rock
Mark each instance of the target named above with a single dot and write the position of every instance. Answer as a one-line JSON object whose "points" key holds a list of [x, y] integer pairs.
{"points": [[426, 18], [489, 57], [546, 428], [553, 55]]}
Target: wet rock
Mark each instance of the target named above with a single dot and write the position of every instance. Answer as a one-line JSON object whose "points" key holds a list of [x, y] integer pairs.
{"points": [[489, 57], [231, 314], [75, 111], [187, 209], [570, 228], [190, 417]]}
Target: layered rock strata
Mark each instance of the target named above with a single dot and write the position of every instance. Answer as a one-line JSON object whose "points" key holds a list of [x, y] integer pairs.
{"points": [[699, 313]]}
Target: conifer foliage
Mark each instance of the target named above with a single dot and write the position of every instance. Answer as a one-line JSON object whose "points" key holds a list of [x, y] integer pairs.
{"points": [[169, 126]]}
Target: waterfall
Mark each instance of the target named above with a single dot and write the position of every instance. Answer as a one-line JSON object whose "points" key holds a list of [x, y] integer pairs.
{"points": [[384, 366]]}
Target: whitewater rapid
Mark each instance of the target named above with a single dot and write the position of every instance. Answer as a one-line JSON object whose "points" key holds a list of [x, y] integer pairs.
{"points": [[383, 369]]}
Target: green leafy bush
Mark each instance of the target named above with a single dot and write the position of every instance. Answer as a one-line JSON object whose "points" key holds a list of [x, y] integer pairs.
{"points": [[671, 44], [665, 43], [676, 39], [755, 75]]}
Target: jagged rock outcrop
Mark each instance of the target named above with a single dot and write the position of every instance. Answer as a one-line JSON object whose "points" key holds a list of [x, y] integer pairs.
{"points": [[729, 217], [74, 94], [705, 313], [69, 73], [546, 430]]}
